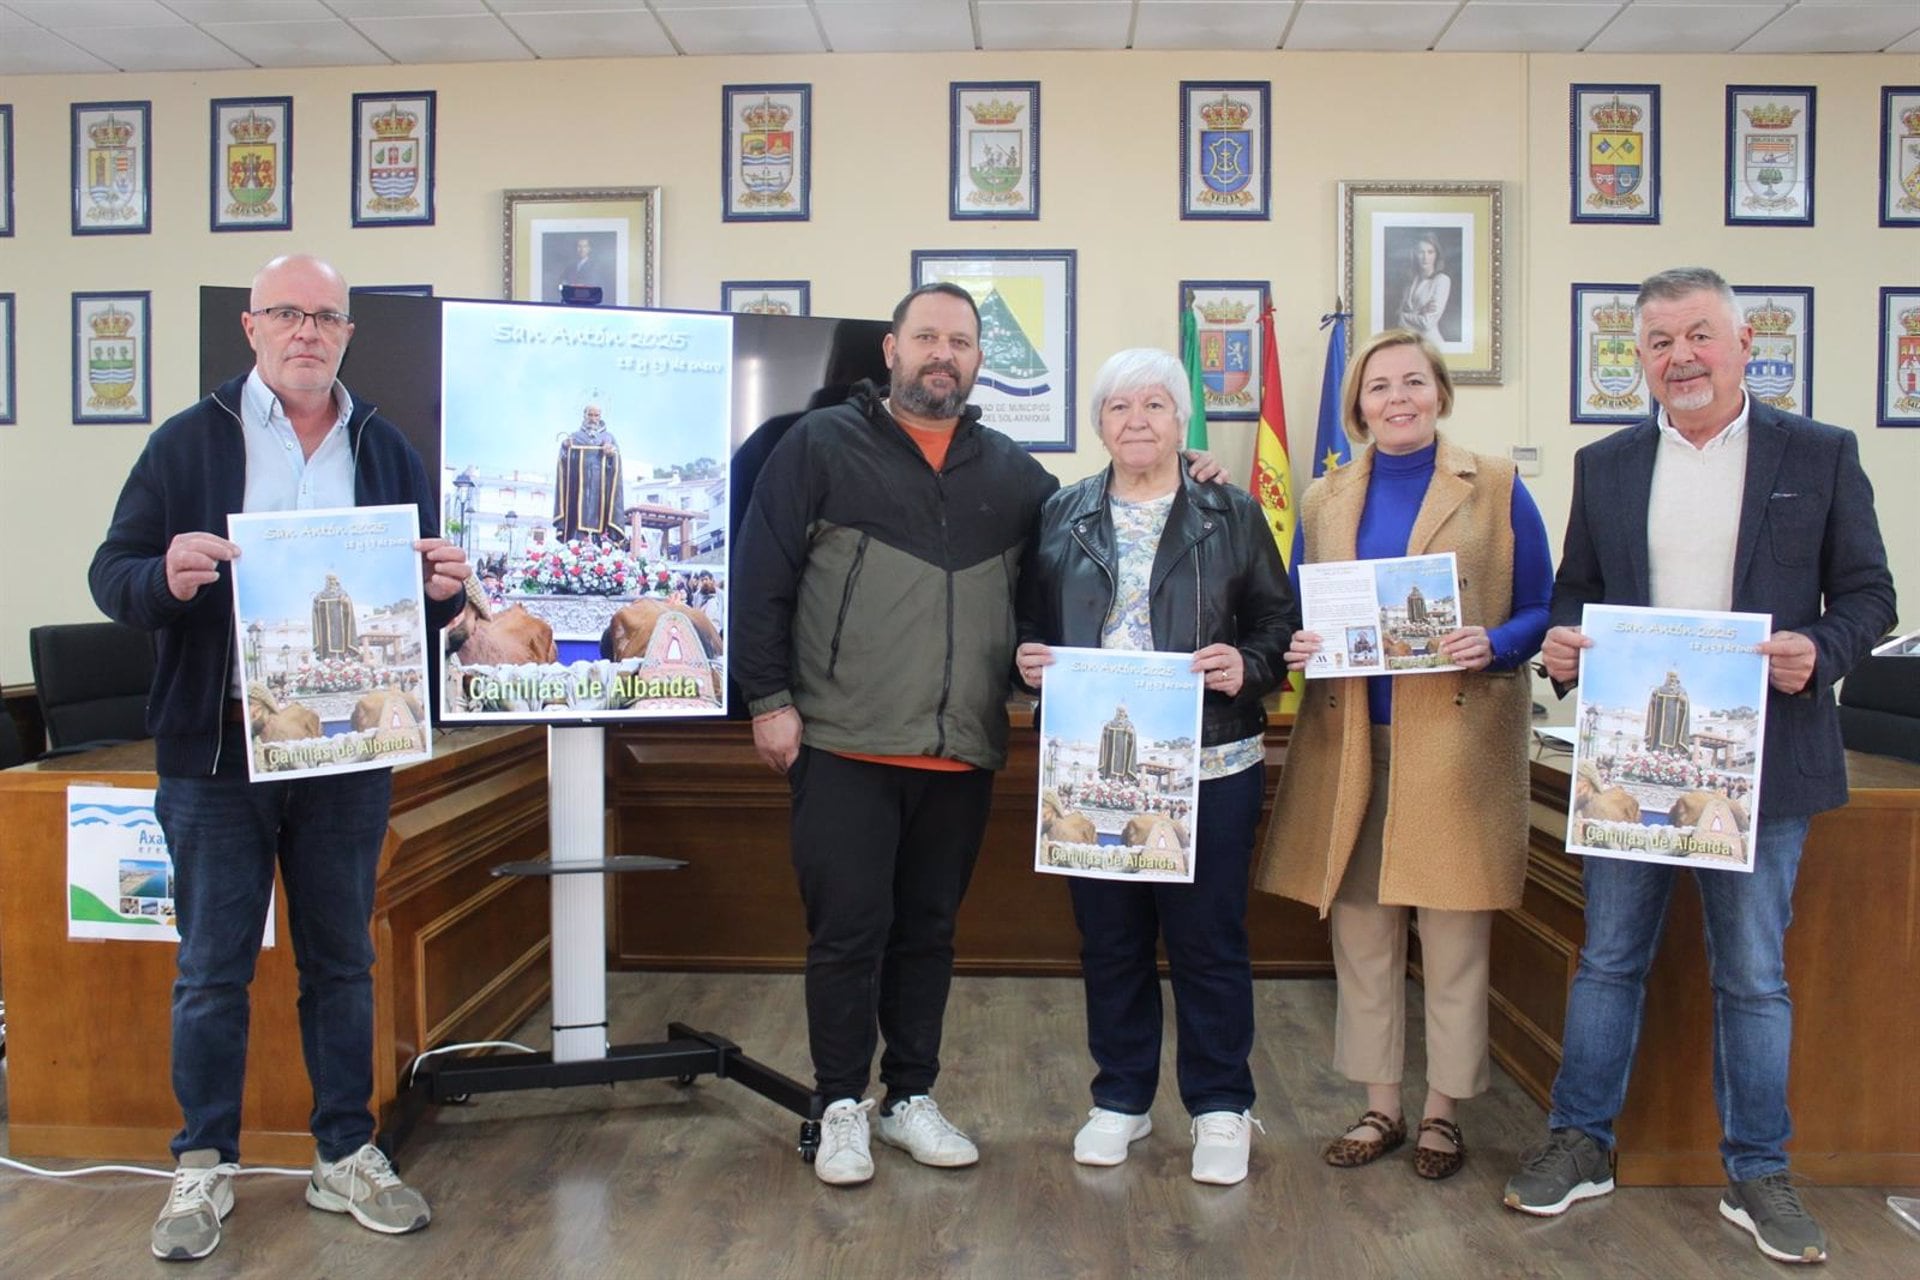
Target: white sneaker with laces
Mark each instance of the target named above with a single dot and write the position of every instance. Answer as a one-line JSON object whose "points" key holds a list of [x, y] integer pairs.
{"points": [[917, 1128], [364, 1185], [1104, 1138], [201, 1198], [1222, 1141], [843, 1158]]}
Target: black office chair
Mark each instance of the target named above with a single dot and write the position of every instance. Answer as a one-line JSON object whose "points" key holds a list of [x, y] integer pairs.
{"points": [[92, 680], [1880, 707]]}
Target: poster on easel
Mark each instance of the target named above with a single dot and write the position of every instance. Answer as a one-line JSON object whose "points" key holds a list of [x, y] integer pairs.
{"points": [[119, 872], [1119, 766], [585, 469], [1668, 736], [330, 625]]}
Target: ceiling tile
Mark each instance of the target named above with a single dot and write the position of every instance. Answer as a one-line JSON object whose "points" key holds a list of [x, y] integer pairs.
{"points": [[741, 29], [876, 26], [1525, 27], [467, 38], [1211, 24], [1054, 24], [1682, 28], [39, 53], [202, 12], [590, 35], [298, 44], [1909, 45], [180, 48], [354, 10], [566, 6], [72, 15], [1369, 24], [1834, 29], [660, 5]]}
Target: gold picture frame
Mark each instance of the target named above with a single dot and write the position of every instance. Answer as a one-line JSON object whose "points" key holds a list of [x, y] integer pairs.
{"points": [[544, 233], [1453, 296]]}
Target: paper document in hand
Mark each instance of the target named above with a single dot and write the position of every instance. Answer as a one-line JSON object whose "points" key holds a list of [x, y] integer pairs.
{"points": [[1380, 617], [1668, 736], [1119, 765]]}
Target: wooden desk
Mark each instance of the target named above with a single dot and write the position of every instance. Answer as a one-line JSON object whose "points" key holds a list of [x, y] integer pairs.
{"points": [[696, 790], [1853, 965], [459, 955]]}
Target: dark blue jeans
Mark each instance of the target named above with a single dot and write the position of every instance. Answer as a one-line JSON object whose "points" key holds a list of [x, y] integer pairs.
{"points": [[1746, 917], [225, 835], [1204, 925]]}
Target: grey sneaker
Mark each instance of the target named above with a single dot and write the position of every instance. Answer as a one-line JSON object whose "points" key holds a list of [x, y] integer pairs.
{"points": [[1568, 1166], [364, 1185], [202, 1196], [917, 1128], [1770, 1210]]}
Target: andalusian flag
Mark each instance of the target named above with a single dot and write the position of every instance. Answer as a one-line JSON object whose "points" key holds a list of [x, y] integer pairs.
{"points": [[1331, 448], [1273, 476], [1190, 356]]}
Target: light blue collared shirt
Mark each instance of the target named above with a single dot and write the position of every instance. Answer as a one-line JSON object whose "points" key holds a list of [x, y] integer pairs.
{"points": [[280, 476]]}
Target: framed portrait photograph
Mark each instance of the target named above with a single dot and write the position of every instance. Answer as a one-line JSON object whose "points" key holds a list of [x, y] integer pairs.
{"points": [[766, 157], [1227, 313], [404, 290], [1613, 142], [6, 169], [607, 238], [1608, 387], [393, 159], [1900, 156], [1769, 155], [1225, 149], [9, 414], [766, 297], [993, 149], [112, 168], [250, 171], [1899, 400], [112, 357], [1026, 301], [1780, 366], [1427, 257]]}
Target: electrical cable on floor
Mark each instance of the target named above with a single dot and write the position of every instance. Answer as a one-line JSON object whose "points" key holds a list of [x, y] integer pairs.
{"points": [[414, 1066], [141, 1170]]}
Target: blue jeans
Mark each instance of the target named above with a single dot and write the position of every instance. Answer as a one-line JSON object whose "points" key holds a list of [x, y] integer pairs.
{"points": [[1746, 916], [224, 835], [1204, 925]]}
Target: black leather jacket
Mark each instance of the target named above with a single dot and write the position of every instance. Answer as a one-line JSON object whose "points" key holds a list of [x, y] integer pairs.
{"points": [[1217, 578]]}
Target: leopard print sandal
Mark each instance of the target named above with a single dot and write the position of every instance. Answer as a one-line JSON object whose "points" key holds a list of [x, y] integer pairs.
{"points": [[1350, 1153]]}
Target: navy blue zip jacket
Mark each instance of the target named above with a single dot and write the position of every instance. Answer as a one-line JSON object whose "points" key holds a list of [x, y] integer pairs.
{"points": [[189, 478]]}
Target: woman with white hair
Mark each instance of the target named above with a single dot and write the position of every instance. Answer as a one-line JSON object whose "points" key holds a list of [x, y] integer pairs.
{"points": [[1142, 556]]}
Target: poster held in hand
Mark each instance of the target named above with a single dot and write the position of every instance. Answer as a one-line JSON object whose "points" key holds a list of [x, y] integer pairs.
{"points": [[1380, 617]]}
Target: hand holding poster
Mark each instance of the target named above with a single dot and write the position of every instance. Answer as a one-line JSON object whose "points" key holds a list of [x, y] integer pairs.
{"points": [[1119, 766], [332, 640], [1380, 617], [1668, 736]]}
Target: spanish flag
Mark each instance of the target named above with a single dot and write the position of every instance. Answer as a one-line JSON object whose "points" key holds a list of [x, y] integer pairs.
{"points": [[1273, 475]]}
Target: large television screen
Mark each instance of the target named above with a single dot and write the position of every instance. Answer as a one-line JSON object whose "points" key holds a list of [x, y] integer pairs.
{"points": [[779, 367]]}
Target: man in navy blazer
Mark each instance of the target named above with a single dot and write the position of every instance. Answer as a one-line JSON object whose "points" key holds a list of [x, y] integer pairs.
{"points": [[1718, 502]]}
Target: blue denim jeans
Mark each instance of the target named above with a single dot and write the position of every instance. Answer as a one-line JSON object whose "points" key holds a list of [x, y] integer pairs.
{"points": [[1204, 925], [225, 835], [1746, 917]]}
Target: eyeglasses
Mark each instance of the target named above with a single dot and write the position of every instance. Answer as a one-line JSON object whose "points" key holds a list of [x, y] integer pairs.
{"points": [[331, 323]]}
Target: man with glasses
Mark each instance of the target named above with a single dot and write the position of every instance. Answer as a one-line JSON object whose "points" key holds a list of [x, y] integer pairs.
{"points": [[286, 436]]}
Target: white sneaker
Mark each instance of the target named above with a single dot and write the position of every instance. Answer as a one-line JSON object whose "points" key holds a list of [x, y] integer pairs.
{"points": [[844, 1159], [917, 1128], [365, 1185], [202, 1197], [1104, 1138], [1221, 1143]]}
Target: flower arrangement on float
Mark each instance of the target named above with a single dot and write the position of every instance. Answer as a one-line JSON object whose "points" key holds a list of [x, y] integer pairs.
{"points": [[581, 568]]}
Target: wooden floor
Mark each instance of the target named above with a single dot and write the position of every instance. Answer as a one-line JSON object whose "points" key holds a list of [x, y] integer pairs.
{"points": [[652, 1180]]}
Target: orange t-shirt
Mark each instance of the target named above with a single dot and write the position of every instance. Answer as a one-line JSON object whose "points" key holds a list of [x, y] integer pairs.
{"points": [[933, 446]]}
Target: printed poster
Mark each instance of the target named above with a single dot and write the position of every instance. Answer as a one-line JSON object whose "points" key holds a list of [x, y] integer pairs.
{"points": [[1668, 736], [1380, 617], [119, 874], [1119, 766], [331, 630]]}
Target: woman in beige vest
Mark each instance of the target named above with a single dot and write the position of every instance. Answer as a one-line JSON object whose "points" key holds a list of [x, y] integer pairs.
{"points": [[1411, 791]]}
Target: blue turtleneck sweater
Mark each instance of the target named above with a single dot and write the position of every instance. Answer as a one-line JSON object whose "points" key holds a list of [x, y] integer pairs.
{"points": [[1394, 494]]}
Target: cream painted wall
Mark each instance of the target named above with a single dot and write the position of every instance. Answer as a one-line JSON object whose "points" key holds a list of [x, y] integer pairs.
{"points": [[1109, 190]]}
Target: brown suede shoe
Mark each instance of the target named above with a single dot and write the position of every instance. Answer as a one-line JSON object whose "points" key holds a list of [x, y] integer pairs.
{"points": [[1351, 1153], [1435, 1165]]}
